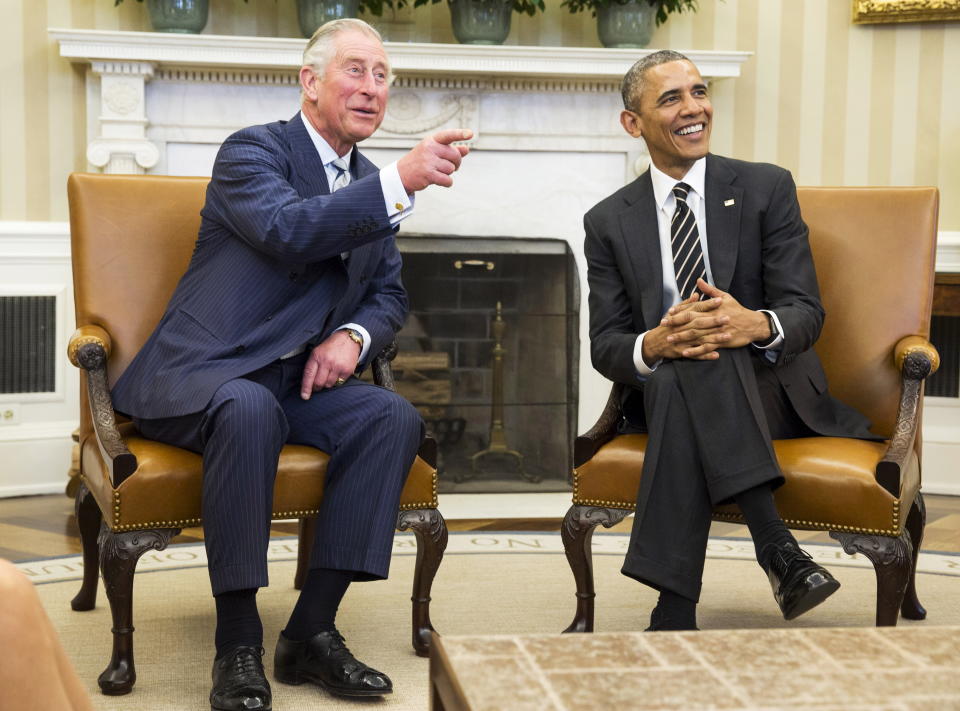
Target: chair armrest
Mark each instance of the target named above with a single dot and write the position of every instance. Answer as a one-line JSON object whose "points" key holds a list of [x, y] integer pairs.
{"points": [[915, 358], [587, 444], [383, 376], [88, 349]]}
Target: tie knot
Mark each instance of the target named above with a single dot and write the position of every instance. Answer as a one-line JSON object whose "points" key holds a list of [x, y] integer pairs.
{"points": [[341, 164], [680, 191]]}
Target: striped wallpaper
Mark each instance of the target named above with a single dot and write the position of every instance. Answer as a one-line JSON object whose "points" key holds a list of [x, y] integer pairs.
{"points": [[835, 103]]}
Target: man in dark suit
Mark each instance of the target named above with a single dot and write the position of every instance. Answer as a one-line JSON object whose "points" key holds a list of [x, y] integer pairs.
{"points": [[704, 301], [294, 285]]}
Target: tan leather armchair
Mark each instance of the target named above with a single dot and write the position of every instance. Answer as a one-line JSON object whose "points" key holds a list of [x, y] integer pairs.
{"points": [[874, 250], [132, 237]]}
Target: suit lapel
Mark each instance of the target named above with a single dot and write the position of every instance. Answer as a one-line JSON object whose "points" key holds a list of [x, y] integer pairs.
{"points": [[310, 175], [641, 237], [723, 205]]}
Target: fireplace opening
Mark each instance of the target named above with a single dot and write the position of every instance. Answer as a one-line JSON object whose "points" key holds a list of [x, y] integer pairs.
{"points": [[489, 357]]}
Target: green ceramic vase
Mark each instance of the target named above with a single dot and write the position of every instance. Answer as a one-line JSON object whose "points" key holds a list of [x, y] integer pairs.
{"points": [[313, 13], [627, 25], [480, 21], [186, 16]]}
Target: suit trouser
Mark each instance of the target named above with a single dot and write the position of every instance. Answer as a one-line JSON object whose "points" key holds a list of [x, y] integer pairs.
{"points": [[371, 434], [710, 427]]}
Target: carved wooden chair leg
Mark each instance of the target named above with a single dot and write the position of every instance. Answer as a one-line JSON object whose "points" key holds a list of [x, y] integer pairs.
{"points": [[308, 527], [431, 532], [916, 521], [577, 533], [88, 521], [119, 553], [892, 560]]}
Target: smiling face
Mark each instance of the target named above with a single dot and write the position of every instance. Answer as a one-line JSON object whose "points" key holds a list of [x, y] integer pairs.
{"points": [[673, 115], [346, 103]]}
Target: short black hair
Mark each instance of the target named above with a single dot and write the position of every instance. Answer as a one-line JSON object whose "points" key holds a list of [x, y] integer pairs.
{"points": [[632, 86]]}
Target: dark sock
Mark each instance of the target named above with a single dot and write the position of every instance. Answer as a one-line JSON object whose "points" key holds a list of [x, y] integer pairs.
{"points": [[674, 612], [763, 520], [238, 622], [316, 608]]}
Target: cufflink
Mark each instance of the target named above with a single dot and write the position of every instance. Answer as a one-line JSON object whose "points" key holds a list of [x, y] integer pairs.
{"points": [[398, 205]]}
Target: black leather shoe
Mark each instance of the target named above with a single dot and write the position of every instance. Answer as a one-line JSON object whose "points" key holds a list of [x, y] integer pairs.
{"points": [[325, 660], [239, 682], [798, 583], [659, 624]]}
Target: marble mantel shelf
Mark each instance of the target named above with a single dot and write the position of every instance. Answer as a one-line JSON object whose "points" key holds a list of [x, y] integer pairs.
{"points": [[505, 61]]}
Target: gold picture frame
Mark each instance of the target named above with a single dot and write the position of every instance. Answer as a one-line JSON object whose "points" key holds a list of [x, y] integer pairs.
{"points": [[875, 11]]}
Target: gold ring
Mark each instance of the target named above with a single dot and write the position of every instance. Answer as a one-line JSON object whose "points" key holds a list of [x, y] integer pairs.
{"points": [[340, 381]]}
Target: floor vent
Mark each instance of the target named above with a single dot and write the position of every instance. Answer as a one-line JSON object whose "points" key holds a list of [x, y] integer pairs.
{"points": [[28, 341]]}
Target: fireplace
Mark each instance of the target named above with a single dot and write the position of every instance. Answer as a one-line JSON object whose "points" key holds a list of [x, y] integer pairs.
{"points": [[489, 356]]}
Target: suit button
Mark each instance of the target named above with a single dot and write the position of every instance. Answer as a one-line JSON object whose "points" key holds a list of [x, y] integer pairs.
{"points": [[269, 318], [293, 276], [239, 349]]}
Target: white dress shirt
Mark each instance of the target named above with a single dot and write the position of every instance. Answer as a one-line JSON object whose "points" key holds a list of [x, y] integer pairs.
{"points": [[666, 204]]}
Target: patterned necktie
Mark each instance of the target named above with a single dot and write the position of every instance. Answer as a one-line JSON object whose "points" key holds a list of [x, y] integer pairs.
{"points": [[685, 242], [343, 174], [341, 181]]}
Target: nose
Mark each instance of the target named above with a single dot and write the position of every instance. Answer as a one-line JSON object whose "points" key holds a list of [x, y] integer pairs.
{"points": [[690, 104], [369, 85]]}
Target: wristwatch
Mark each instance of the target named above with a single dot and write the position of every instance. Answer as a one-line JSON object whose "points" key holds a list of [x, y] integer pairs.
{"points": [[355, 337], [774, 331]]}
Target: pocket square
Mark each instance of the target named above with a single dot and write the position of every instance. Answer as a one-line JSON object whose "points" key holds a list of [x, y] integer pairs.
{"points": [[728, 203]]}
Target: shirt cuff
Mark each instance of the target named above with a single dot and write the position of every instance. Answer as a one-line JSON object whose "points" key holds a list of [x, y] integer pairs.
{"points": [[643, 370], [399, 205], [772, 350], [363, 334]]}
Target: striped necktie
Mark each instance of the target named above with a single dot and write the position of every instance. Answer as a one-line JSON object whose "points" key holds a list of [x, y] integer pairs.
{"points": [[341, 181], [685, 243], [343, 174]]}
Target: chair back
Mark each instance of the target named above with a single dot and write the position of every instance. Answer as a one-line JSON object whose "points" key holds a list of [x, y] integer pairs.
{"points": [[874, 250], [131, 238]]}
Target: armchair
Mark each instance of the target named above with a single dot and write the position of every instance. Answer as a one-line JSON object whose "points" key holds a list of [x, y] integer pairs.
{"points": [[132, 237], [874, 250]]}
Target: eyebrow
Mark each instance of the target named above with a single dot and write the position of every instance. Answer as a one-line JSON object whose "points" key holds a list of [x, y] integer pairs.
{"points": [[675, 92]]}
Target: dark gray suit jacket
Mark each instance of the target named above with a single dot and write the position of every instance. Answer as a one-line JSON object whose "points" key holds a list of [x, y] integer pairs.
{"points": [[758, 252], [266, 273]]}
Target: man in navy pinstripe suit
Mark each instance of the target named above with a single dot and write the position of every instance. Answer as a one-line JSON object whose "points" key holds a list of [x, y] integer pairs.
{"points": [[294, 284]]}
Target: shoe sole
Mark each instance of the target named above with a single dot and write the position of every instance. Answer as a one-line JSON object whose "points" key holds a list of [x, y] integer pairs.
{"points": [[297, 678], [813, 598]]}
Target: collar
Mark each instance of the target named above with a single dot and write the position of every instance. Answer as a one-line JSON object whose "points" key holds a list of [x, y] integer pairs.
{"points": [[327, 154], [663, 183]]}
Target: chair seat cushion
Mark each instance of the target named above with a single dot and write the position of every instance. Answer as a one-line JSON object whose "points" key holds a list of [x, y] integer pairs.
{"points": [[164, 491], [830, 483]]}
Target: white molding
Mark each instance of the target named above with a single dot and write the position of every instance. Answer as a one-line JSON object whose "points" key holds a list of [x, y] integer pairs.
{"points": [[407, 57], [38, 431], [32, 489], [948, 251], [33, 242]]}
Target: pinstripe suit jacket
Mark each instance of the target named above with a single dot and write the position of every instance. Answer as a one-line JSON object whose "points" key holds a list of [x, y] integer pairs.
{"points": [[266, 273]]}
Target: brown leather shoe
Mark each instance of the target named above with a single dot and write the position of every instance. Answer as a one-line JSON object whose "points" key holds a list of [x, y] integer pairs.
{"points": [[325, 660], [239, 683]]}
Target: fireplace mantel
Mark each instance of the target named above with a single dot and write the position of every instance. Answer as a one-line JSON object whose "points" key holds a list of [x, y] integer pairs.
{"points": [[409, 58]]}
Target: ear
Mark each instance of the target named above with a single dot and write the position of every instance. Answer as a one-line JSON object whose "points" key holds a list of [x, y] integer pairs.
{"points": [[631, 123], [309, 82]]}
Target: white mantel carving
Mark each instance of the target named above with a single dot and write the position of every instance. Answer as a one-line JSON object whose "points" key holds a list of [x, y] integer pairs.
{"points": [[547, 140]]}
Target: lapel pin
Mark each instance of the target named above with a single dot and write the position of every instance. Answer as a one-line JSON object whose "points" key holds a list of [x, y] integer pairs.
{"points": [[728, 203]]}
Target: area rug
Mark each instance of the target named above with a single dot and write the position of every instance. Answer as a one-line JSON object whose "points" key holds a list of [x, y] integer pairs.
{"points": [[489, 583]]}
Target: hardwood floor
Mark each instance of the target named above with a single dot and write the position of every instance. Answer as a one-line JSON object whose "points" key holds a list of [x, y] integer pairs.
{"points": [[44, 526]]}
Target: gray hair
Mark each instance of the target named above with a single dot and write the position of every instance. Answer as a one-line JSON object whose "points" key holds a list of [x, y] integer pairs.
{"points": [[632, 86], [319, 50]]}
